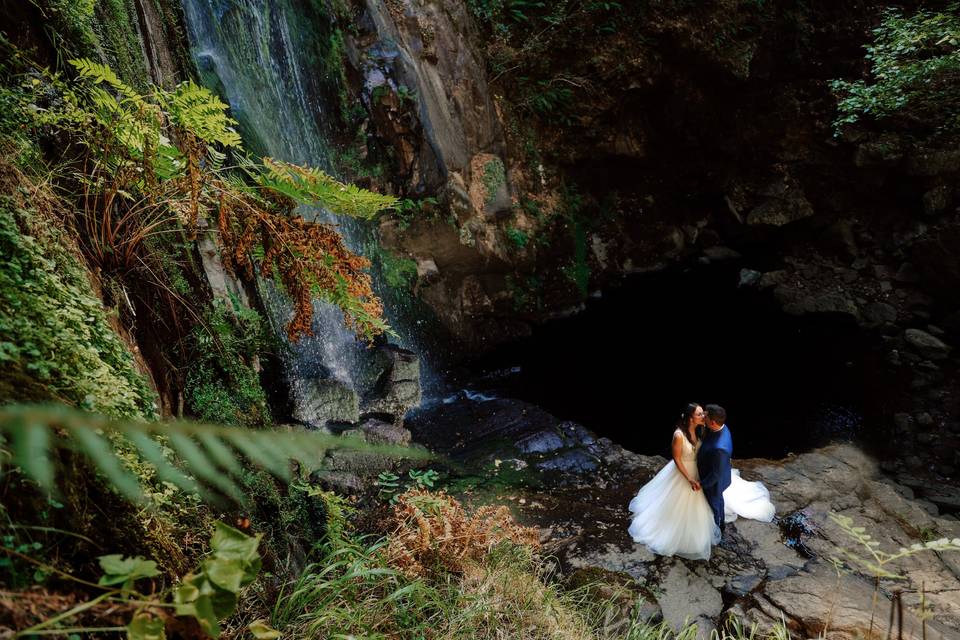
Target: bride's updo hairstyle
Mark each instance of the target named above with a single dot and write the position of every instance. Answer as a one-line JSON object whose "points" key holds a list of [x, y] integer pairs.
{"points": [[684, 422]]}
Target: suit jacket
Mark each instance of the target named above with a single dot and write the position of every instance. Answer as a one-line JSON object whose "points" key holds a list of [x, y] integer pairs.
{"points": [[713, 461]]}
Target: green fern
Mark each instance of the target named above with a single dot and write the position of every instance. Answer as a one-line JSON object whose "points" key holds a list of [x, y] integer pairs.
{"points": [[197, 110], [102, 74], [209, 456], [308, 185]]}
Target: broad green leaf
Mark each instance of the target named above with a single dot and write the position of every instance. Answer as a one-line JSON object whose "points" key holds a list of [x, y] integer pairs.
{"points": [[205, 615], [228, 542], [226, 573], [262, 631], [224, 603], [31, 442], [186, 592], [120, 570], [146, 627]]}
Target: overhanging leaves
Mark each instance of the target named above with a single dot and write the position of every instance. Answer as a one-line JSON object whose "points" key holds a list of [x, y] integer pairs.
{"points": [[38, 431]]}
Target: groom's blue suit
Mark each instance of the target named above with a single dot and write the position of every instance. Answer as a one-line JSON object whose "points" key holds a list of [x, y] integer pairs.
{"points": [[713, 463]]}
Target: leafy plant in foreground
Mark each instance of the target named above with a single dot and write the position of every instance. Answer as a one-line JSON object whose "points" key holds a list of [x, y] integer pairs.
{"points": [[876, 562], [210, 454], [208, 594]]}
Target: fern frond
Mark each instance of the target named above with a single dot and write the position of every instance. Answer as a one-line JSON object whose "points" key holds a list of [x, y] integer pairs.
{"points": [[102, 74], [308, 185], [211, 454], [200, 112]]}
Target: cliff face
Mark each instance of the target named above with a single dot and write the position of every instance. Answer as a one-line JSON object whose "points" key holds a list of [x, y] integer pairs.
{"points": [[545, 156], [567, 152], [631, 138]]}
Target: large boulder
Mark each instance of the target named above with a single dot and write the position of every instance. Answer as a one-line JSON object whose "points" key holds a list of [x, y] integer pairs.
{"points": [[927, 345], [318, 402], [397, 389]]}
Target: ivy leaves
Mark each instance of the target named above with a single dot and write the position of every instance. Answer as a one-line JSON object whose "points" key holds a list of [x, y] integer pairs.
{"points": [[125, 571], [210, 594]]}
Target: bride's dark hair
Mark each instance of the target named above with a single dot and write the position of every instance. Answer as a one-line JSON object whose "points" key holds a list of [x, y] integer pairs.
{"points": [[684, 422]]}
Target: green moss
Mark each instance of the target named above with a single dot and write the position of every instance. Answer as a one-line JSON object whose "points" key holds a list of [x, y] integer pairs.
{"points": [[285, 515], [577, 219], [222, 385], [15, 123], [518, 237], [494, 175], [335, 64], [525, 291], [54, 333], [578, 271], [398, 272], [116, 27], [70, 25]]}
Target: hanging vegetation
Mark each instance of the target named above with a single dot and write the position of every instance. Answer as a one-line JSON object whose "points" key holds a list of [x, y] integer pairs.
{"points": [[149, 163]]}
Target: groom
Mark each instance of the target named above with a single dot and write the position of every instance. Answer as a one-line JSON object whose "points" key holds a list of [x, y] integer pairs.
{"points": [[713, 461]]}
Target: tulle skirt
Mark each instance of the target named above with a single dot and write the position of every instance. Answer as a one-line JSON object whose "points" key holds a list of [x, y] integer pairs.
{"points": [[671, 518], [746, 499]]}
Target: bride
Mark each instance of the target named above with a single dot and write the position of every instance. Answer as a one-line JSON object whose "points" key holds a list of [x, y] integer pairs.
{"points": [[670, 514]]}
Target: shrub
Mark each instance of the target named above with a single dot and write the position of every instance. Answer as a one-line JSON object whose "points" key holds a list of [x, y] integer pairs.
{"points": [[518, 237], [915, 73], [433, 533]]}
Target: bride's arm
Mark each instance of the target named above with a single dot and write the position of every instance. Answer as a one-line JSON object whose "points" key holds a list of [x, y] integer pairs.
{"points": [[678, 460]]}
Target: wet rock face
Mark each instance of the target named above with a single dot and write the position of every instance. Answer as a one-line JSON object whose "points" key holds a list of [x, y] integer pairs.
{"points": [[761, 572], [427, 86], [712, 148], [391, 389], [397, 388], [319, 402]]}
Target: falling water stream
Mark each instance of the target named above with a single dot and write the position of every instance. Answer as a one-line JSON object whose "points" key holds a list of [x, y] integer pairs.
{"points": [[266, 59]]}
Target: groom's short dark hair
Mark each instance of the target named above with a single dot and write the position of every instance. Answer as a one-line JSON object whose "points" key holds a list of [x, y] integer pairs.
{"points": [[716, 413]]}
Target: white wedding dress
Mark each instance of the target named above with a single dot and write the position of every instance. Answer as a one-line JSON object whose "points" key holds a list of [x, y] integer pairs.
{"points": [[745, 499], [672, 519]]}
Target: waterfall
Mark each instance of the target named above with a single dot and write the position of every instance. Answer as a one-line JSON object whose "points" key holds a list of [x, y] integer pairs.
{"points": [[265, 58]]}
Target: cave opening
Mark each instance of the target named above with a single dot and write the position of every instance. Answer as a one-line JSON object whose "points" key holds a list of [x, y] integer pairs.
{"points": [[626, 366]]}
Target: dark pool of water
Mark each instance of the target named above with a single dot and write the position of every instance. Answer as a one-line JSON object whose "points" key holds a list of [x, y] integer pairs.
{"points": [[627, 365]]}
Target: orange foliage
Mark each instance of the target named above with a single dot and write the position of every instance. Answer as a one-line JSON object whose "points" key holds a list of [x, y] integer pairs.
{"points": [[309, 259], [434, 533]]}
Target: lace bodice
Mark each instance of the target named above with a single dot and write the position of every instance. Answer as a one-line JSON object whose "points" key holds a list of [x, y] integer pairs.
{"points": [[689, 451]]}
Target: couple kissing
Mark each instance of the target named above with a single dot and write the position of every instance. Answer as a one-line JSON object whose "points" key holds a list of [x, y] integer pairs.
{"points": [[683, 509]]}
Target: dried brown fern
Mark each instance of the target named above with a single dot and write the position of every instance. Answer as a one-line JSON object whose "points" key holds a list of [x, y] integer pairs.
{"points": [[434, 533]]}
